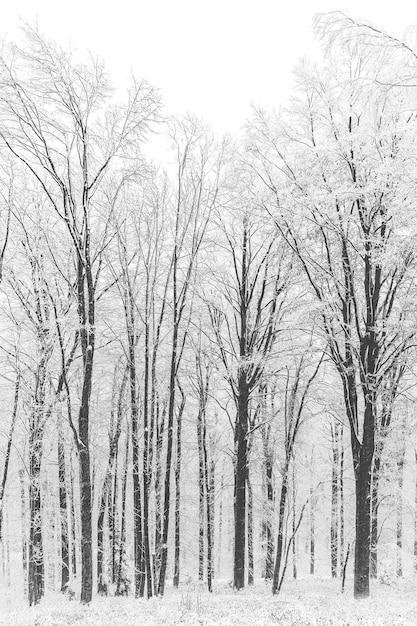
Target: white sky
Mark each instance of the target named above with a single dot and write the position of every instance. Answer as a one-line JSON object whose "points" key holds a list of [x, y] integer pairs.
{"points": [[211, 58]]}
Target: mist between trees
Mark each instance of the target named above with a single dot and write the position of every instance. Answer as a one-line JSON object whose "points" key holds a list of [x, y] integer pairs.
{"points": [[208, 371]]}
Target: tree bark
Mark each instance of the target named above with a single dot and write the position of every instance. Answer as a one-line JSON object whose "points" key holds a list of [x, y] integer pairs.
{"points": [[250, 534], [177, 533], [63, 509], [241, 452], [334, 524]]}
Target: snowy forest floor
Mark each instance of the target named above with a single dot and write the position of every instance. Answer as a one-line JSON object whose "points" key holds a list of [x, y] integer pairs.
{"points": [[301, 603]]}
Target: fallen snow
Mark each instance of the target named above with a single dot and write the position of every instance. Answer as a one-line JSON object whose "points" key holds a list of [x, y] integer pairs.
{"points": [[302, 602]]}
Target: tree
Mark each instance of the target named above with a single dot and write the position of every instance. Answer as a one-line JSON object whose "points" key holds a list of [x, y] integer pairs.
{"points": [[53, 120], [245, 322], [338, 162]]}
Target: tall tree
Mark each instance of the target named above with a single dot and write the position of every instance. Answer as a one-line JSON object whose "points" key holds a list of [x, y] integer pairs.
{"points": [[245, 322], [54, 121], [339, 164]]}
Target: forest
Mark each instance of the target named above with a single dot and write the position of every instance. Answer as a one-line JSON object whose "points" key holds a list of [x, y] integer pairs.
{"points": [[208, 360]]}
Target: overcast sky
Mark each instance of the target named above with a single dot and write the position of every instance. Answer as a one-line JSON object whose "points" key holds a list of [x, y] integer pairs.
{"points": [[211, 58]]}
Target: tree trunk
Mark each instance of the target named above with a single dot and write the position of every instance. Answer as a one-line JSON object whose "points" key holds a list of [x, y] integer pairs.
{"points": [[241, 451], [415, 512], [201, 490], [220, 532], [312, 530], [168, 462], [374, 518], [146, 447], [210, 527], [362, 524], [342, 503], [24, 542], [63, 509], [400, 479], [250, 534], [294, 524], [281, 527], [158, 491], [73, 527], [36, 566], [177, 547], [269, 536], [121, 581], [334, 530]]}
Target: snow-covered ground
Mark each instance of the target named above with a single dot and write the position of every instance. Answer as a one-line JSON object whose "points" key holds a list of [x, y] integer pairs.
{"points": [[301, 603]]}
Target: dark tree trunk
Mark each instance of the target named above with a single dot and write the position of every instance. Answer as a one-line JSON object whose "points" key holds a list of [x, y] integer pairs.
{"points": [[294, 525], [201, 490], [121, 582], [281, 528], [113, 495], [342, 503], [146, 468], [373, 567], [9, 444], [36, 566], [86, 317], [334, 524], [24, 542], [269, 510], [250, 534], [241, 452], [363, 476], [158, 491], [312, 530], [177, 516], [168, 462], [73, 527], [415, 512], [210, 527], [400, 479], [220, 532], [63, 510], [101, 583]]}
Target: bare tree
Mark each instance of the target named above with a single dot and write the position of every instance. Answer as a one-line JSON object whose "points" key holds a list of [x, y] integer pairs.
{"points": [[53, 120]]}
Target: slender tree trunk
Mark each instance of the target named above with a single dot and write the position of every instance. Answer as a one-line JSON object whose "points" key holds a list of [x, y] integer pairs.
{"points": [[113, 494], [63, 509], [281, 528], [210, 526], [101, 583], [342, 503], [201, 491], [312, 530], [137, 504], [168, 462], [158, 491], [36, 562], [146, 469], [415, 512], [177, 547], [23, 521], [220, 532], [294, 524], [400, 480], [334, 530], [121, 583], [241, 451], [250, 534], [73, 527], [269, 560], [9, 444]]}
